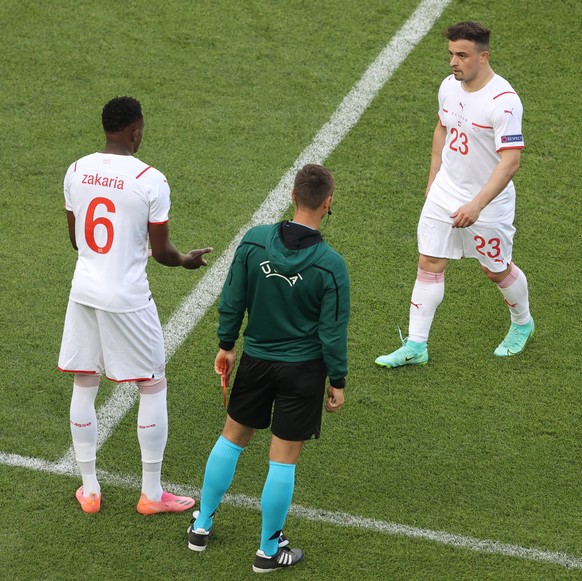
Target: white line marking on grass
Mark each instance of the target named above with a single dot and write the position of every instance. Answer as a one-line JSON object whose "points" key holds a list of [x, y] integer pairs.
{"points": [[442, 537], [340, 519], [195, 306]]}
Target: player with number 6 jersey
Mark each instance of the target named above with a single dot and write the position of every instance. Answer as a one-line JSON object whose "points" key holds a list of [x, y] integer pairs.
{"points": [[114, 199], [114, 204], [470, 196]]}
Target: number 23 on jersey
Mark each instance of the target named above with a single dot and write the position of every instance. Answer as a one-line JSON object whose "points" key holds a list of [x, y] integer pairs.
{"points": [[460, 141]]}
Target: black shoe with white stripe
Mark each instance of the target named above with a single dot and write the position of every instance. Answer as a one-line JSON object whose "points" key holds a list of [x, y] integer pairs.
{"points": [[282, 559], [198, 538]]}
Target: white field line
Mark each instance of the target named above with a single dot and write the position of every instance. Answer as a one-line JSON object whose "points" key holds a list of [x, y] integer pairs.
{"points": [[340, 519], [195, 306], [208, 289]]}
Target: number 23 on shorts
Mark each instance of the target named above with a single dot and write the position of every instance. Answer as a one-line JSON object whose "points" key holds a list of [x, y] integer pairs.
{"points": [[493, 245]]}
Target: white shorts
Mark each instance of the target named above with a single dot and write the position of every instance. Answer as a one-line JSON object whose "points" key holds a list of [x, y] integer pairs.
{"points": [[124, 346], [491, 244]]}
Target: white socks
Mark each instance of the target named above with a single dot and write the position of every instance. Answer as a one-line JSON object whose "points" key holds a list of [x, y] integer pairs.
{"points": [[429, 290], [152, 433], [427, 295], [514, 289], [83, 421]]}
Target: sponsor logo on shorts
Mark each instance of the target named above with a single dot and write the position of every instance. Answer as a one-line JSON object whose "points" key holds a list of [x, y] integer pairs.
{"points": [[511, 138]]}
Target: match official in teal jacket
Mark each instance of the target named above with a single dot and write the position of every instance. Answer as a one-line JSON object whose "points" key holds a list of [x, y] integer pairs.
{"points": [[294, 289]]}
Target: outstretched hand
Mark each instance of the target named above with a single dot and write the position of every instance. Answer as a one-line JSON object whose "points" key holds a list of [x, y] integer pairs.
{"points": [[195, 258]]}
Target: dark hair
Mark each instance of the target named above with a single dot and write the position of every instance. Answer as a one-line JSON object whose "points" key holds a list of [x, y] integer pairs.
{"points": [[120, 113], [313, 184], [469, 30]]}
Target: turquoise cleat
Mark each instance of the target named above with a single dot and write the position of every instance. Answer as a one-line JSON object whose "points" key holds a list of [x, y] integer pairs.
{"points": [[515, 339], [411, 353]]}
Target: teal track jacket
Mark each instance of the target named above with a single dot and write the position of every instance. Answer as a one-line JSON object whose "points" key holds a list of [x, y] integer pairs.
{"points": [[295, 289]]}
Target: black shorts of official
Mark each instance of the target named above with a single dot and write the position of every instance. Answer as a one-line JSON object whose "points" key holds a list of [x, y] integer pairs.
{"points": [[290, 393]]}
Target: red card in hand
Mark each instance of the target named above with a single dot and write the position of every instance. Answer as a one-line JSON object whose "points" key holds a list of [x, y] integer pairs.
{"points": [[224, 385]]}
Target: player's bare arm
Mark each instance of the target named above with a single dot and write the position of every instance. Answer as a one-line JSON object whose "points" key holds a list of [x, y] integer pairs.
{"points": [[438, 143], [71, 223], [164, 252], [502, 174]]}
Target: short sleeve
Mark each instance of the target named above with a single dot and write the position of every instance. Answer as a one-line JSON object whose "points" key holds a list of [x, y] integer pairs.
{"points": [[67, 186], [507, 117], [160, 202], [441, 99]]}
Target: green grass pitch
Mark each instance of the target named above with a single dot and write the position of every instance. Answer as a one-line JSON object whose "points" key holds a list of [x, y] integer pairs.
{"points": [[233, 92]]}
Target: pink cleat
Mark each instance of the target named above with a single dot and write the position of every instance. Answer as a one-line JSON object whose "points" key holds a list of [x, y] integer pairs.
{"points": [[91, 503], [168, 503]]}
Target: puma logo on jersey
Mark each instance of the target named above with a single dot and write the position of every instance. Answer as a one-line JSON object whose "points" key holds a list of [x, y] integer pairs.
{"points": [[269, 272], [509, 111], [97, 180]]}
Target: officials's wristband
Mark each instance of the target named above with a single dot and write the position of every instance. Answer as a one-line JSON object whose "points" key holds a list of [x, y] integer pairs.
{"points": [[338, 383]]}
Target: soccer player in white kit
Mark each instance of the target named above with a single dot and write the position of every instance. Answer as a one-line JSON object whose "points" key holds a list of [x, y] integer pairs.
{"points": [[114, 203], [470, 198]]}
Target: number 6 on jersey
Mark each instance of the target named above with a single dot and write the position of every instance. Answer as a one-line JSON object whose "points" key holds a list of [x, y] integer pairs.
{"points": [[91, 222]]}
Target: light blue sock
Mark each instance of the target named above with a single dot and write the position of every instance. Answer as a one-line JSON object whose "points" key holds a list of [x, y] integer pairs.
{"points": [[217, 478], [275, 503]]}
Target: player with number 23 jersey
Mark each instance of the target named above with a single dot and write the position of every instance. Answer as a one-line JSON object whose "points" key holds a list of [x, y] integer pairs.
{"points": [[479, 125], [470, 196]]}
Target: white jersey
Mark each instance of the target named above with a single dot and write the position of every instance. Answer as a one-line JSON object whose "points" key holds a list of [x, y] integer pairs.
{"points": [[114, 198], [479, 125]]}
